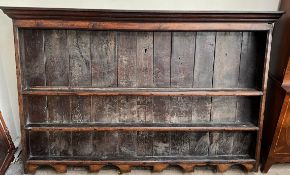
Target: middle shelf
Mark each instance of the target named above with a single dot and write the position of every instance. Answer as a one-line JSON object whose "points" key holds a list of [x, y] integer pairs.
{"points": [[246, 126], [43, 90]]}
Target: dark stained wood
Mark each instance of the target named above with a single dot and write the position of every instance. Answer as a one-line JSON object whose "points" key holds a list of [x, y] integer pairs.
{"points": [[57, 58], [161, 144], [127, 144], [105, 109], [127, 55], [80, 109], [58, 109], [36, 109], [112, 143], [162, 55], [103, 55], [180, 109], [221, 143], [7, 147], [199, 143], [139, 88], [82, 144], [275, 147], [141, 26], [143, 91], [33, 57], [180, 143], [126, 15], [144, 143], [78, 43], [161, 126], [38, 143], [224, 108], [60, 144], [182, 60]]}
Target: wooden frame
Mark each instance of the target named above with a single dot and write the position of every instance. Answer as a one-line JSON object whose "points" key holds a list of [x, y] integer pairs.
{"points": [[38, 18], [4, 135]]}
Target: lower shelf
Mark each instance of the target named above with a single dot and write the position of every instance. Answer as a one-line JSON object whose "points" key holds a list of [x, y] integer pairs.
{"points": [[143, 127], [187, 164]]}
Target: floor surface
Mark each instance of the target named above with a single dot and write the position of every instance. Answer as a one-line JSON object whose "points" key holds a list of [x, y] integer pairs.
{"points": [[279, 169]]}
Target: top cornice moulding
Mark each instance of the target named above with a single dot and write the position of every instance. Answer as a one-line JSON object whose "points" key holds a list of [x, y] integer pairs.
{"points": [[139, 16]]}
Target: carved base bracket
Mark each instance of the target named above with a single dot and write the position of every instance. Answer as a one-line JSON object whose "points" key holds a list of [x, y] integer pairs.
{"points": [[60, 168], [187, 167], [159, 167], [126, 167], [223, 167], [95, 168]]}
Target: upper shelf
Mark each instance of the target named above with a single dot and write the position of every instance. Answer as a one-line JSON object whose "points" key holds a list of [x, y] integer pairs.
{"points": [[138, 16], [142, 91]]}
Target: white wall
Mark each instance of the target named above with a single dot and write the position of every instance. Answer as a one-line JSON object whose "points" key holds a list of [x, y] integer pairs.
{"points": [[8, 89]]}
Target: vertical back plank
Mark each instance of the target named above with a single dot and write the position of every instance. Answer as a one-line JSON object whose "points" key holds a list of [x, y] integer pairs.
{"points": [[128, 109], [248, 64], [80, 58], [60, 144], [127, 76], [248, 69], [38, 143], [144, 70], [57, 74], [99, 144], [127, 144], [161, 109], [162, 63], [182, 60], [127, 55], [144, 143], [112, 144], [104, 74], [104, 62], [199, 144], [57, 59], [204, 59], [82, 143], [79, 43], [144, 59], [180, 142], [221, 143], [182, 64], [203, 74], [80, 109], [227, 59], [58, 109], [226, 74], [33, 57], [244, 144], [36, 109], [80, 73], [162, 56], [161, 144], [105, 109], [180, 109]]}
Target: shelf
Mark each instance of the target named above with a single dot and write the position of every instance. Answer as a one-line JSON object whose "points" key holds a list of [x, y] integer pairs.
{"points": [[147, 159], [142, 91], [143, 127]]}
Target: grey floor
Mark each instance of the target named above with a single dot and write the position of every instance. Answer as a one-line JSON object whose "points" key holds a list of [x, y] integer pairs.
{"points": [[16, 169]]}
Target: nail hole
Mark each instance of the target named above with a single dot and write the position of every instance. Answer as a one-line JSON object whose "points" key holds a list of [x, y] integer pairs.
{"points": [[145, 50]]}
